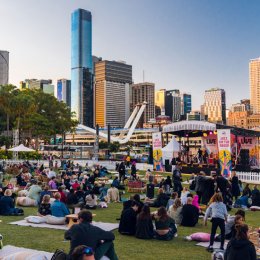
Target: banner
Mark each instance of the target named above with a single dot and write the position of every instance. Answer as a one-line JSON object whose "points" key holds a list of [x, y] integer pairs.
{"points": [[157, 151], [210, 144], [249, 143], [224, 151]]}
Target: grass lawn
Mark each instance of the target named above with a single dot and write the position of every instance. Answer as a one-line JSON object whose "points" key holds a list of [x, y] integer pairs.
{"points": [[126, 247]]}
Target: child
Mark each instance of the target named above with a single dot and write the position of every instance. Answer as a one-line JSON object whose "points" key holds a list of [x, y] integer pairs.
{"points": [[45, 206], [218, 211]]}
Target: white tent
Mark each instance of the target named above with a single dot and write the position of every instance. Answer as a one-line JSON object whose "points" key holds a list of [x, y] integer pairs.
{"points": [[21, 148], [169, 149]]}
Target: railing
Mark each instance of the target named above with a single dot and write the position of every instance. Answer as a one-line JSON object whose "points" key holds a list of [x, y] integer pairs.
{"points": [[250, 177]]}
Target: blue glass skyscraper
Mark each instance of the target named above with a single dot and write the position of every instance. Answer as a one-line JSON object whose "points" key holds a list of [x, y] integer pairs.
{"points": [[81, 66]]}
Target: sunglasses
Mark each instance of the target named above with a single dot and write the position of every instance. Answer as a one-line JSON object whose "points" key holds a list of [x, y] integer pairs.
{"points": [[88, 251]]}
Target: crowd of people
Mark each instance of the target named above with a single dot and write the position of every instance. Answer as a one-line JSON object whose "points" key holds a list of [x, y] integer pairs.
{"points": [[174, 205]]}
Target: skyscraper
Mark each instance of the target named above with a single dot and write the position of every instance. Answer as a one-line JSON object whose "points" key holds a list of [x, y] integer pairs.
{"points": [[44, 84], [112, 93], [81, 66], [144, 92], [215, 105], [160, 101], [173, 104], [186, 105], [254, 79], [64, 91], [4, 67]]}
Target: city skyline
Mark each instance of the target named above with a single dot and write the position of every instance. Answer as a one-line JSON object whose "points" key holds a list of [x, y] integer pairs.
{"points": [[186, 45]]}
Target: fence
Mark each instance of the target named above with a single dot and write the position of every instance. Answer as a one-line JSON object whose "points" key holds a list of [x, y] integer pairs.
{"points": [[250, 177]]}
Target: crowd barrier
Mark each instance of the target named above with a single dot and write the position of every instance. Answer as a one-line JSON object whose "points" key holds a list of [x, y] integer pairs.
{"points": [[249, 177]]}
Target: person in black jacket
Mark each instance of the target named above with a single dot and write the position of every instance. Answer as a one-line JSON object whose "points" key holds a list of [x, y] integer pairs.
{"points": [[127, 223], [144, 224], [190, 214], [86, 234], [240, 248], [177, 179], [235, 186], [121, 171]]}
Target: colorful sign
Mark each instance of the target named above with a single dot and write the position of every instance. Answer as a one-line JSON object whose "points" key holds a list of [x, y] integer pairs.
{"points": [[224, 148], [157, 151], [210, 143]]}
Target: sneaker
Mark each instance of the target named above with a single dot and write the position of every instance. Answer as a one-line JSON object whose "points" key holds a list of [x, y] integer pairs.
{"points": [[210, 249]]}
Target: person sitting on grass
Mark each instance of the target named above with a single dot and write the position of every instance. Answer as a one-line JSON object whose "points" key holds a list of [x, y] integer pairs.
{"points": [[218, 211], [113, 194], [58, 209], [103, 192], [144, 224], [127, 225], [34, 192], [7, 205], [190, 214], [91, 201], [161, 200], [165, 225], [240, 247], [45, 206], [175, 211], [83, 253], [86, 234]]}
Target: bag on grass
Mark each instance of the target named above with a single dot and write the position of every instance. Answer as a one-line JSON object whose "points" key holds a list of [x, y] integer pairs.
{"points": [[59, 255]]}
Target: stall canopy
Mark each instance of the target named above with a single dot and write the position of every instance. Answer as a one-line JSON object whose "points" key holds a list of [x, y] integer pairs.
{"points": [[21, 148], [169, 149]]}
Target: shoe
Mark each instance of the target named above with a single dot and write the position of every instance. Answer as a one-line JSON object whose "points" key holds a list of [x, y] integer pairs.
{"points": [[210, 249]]}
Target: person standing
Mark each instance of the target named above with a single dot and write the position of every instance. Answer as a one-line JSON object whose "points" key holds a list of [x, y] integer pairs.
{"points": [[235, 186], [121, 171], [86, 234], [176, 177], [218, 212]]}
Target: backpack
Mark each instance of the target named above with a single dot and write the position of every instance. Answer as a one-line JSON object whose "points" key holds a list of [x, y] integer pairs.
{"points": [[59, 255]]}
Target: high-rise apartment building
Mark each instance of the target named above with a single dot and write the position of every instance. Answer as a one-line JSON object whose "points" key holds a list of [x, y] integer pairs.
{"points": [[254, 81], [143, 92], [215, 105], [160, 102], [64, 91], [4, 67], [186, 104], [44, 84], [81, 66], [112, 93], [173, 104]]}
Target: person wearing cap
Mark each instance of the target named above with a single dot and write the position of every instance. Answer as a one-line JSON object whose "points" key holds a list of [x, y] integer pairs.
{"points": [[7, 205], [84, 233]]}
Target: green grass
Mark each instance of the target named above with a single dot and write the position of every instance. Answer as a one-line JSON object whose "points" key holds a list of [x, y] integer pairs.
{"points": [[126, 247]]}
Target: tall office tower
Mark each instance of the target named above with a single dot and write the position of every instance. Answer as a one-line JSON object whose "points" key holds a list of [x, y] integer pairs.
{"points": [[186, 105], [44, 84], [173, 104], [215, 105], [254, 80], [112, 93], [143, 92], [4, 67], [82, 67], [64, 91], [160, 102]]}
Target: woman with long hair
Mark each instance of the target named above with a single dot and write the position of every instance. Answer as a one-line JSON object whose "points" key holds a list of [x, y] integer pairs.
{"points": [[218, 211], [165, 225], [175, 211], [144, 224], [240, 248]]}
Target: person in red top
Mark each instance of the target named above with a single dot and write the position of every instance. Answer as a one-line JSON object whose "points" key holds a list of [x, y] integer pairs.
{"points": [[63, 197], [75, 185]]}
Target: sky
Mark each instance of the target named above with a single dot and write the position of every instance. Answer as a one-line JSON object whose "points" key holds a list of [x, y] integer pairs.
{"points": [[191, 45]]}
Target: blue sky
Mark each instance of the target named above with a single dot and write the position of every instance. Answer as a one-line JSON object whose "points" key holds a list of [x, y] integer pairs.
{"points": [[191, 45]]}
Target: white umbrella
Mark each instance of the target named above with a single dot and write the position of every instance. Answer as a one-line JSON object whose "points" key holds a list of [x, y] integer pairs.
{"points": [[21, 148]]}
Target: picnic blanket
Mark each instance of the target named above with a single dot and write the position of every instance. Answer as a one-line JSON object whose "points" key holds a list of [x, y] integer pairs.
{"points": [[34, 254], [102, 225], [216, 245]]}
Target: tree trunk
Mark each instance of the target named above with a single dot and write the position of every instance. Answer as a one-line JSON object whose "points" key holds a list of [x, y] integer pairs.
{"points": [[37, 143], [8, 124]]}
